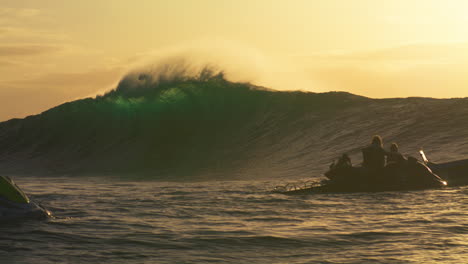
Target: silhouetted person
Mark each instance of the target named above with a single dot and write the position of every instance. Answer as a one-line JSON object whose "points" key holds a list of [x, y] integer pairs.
{"points": [[374, 155], [394, 156], [396, 164], [344, 161]]}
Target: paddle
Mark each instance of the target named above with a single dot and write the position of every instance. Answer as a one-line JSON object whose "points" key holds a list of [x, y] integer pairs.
{"points": [[423, 156]]}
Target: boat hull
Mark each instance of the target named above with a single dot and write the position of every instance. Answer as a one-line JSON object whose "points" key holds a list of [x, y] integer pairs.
{"points": [[10, 211], [415, 176]]}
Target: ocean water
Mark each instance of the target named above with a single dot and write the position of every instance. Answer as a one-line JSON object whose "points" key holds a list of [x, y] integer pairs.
{"points": [[183, 170], [114, 220]]}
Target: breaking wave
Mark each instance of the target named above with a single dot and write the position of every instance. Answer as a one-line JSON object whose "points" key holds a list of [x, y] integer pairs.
{"points": [[172, 123]]}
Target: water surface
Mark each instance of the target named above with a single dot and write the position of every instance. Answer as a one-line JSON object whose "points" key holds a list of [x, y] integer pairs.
{"points": [[108, 220]]}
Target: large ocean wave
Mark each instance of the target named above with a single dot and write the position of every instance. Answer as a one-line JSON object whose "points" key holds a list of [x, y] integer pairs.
{"points": [[173, 124]]}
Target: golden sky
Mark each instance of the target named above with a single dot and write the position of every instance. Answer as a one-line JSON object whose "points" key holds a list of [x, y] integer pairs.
{"points": [[53, 51]]}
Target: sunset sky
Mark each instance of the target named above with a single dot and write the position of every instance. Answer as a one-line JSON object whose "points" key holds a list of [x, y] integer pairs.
{"points": [[53, 51]]}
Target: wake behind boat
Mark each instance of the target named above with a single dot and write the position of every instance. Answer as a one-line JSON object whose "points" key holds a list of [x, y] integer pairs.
{"points": [[15, 204]]}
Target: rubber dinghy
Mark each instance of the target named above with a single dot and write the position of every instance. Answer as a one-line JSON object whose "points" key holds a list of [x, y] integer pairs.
{"points": [[412, 175], [15, 204]]}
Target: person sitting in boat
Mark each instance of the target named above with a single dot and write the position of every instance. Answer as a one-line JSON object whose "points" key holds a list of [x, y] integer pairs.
{"points": [[344, 161], [374, 154], [396, 165], [394, 156]]}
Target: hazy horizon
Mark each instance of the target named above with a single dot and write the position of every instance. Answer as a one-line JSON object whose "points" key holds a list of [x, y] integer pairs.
{"points": [[53, 51]]}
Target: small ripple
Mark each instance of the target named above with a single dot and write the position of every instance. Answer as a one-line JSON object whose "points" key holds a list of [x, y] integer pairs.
{"points": [[376, 234], [255, 241], [460, 229], [274, 219]]}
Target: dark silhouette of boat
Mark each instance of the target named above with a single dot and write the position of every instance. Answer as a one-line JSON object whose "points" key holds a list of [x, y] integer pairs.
{"points": [[15, 204], [454, 172], [342, 177]]}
